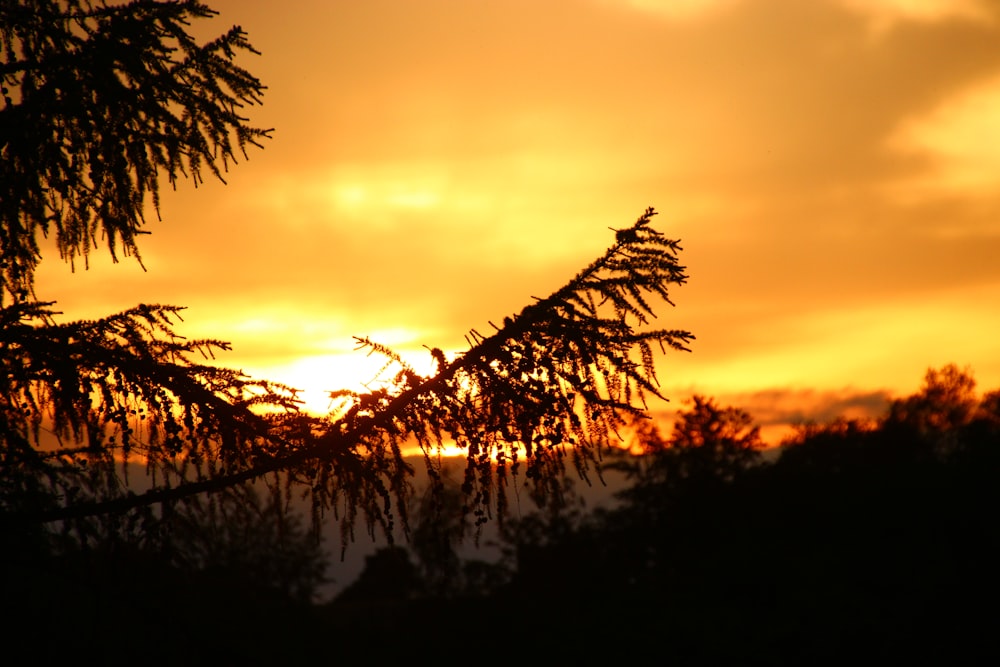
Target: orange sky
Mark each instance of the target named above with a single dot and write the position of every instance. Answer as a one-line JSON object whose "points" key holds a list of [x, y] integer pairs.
{"points": [[832, 168]]}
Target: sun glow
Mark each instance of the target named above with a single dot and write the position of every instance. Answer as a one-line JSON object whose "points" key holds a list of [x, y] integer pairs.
{"points": [[317, 376], [680, 10]]}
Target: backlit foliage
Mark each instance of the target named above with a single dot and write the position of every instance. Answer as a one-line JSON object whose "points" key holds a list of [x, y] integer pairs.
{"points": [[100, 102], [107, 99], [553, 383]]}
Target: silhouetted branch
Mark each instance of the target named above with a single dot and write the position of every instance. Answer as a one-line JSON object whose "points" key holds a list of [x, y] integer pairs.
{"points": [[556, 378]]}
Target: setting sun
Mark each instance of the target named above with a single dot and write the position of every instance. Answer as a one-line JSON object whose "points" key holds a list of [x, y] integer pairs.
{"points": [[317, 376]]}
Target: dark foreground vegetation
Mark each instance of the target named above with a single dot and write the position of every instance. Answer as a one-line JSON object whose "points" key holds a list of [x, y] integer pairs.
{"points": [[862, 542]]}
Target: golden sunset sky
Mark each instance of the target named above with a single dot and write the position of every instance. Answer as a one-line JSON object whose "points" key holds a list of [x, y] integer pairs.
{"points": [[832, 168]]}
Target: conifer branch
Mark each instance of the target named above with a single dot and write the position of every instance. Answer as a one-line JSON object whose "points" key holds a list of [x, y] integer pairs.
{"points": [[554, 380], [100, 101]]}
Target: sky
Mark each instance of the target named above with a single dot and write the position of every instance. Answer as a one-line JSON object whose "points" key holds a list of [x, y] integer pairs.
{"points": [[832, 169]]}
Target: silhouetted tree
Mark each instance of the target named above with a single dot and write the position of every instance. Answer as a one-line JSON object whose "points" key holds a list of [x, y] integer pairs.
{"points": [[829, 447], [432, 565], [389, 575], [441, 523], [101, 101], [946, 400], [989, 407], [985, 425], [231, 578], [852, 543], [708, 445], [945, 403], [249, 540]]}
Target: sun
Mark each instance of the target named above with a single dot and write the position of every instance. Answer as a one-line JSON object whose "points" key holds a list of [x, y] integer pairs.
{"points": [[316, 376]]}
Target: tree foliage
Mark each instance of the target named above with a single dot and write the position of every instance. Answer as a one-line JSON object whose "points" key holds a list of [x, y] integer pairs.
{"points": [[99, 103], [107, 99], [946, 402], [708, 443], [554, 382]]}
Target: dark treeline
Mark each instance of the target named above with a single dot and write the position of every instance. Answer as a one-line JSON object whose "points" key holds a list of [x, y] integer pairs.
{"points": [[861, 541]]}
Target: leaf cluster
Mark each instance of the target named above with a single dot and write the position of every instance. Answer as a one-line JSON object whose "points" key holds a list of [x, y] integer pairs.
{"points": [[81, 397], [99, 102]]}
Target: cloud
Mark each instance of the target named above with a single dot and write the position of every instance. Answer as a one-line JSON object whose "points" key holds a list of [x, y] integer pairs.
{"points": [[883, 15], [886, 342], [780, 407], [777, 411], [953, 140]]}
